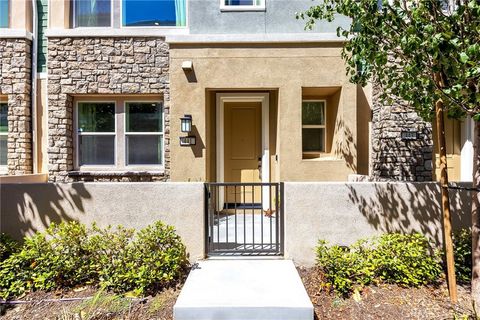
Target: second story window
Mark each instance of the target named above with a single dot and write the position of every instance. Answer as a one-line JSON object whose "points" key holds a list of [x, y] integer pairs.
{"points": [[242, 4], [4, 13], [92, 13], [153, 13]]}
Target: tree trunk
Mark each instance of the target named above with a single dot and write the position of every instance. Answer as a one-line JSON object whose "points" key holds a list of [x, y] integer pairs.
{"points": [[476, 218], [447, 218]]}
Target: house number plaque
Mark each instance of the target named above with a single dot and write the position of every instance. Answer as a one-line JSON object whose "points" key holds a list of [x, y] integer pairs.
{"points": [[409, 135]]}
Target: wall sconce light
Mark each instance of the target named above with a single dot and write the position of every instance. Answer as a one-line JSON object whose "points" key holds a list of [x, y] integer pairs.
{"points": [[186, 126], [188, 141], [186, 122]]}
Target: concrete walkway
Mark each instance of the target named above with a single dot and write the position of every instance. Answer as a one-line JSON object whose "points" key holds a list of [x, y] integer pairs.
{"points": [[243, 290], [241, 229]]}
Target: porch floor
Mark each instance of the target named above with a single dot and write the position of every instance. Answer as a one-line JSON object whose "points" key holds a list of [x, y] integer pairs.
{"points": [[244, 231], [243, 290]]}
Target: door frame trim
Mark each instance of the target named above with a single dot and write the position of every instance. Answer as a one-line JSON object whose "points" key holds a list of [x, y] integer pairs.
{"points": [[262, 97]]}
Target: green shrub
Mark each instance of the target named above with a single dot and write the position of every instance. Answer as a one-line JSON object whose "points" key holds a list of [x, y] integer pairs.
{"points": [[344, 268], [69, 254], [155, 259], [462, 245], [405, 260], [110, 248], [58, 257], [17, 271], [7, 246]]}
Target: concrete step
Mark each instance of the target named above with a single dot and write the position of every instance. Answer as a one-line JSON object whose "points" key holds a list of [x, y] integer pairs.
{"points": [[243, 290]]}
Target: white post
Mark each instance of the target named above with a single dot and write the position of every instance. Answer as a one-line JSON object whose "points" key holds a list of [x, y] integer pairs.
{"points": [[466, 156]]}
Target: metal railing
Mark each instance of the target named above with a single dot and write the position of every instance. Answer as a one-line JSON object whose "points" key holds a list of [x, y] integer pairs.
{"points": [[244, 219]]}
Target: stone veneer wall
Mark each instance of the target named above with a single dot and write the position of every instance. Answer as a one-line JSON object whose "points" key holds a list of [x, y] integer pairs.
{"points": [[392, 157], [105, 66], [16, 83]]}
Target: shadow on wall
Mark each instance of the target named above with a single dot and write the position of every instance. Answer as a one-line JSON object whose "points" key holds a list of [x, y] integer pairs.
{"points": [[416, 209], [24, 210], [364, 113], [345, 146], [197, 149]]}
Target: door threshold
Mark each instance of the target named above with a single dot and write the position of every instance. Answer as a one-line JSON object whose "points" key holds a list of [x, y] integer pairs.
{"points": [[241, 206]]}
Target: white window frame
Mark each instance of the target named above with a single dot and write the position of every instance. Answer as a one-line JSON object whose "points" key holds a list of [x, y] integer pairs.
{"points": [[4, 168], [74, 16], [316, 126], [78, 134], [120, 147], [254, 7], [161, 133]]}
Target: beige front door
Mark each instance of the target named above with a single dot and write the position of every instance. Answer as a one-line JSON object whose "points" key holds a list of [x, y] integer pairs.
{"points": [[243, 146]]}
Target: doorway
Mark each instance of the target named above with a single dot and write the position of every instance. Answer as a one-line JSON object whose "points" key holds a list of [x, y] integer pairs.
{"points": [[243, 156]]}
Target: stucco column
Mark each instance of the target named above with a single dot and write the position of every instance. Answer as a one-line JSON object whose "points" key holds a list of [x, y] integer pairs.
{"points": [[59, 14], [21, 14]]}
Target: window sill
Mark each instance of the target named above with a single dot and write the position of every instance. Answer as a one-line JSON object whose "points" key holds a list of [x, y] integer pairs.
{"points": [[15, 33], [322, 157], [117, 32], [255, 38], [241, 8], [117, 173]]}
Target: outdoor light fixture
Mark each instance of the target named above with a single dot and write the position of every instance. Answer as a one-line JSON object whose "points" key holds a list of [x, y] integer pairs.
{"points": [[188, 141], [186, 126], [186, 122]]}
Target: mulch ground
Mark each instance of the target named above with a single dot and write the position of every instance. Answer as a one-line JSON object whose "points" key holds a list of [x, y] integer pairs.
{"points": [[387, 301], [106, 307], [381, 302]]}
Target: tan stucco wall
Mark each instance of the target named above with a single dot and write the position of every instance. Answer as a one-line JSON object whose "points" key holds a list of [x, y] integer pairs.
{"points": [[343, 213], [364, 121], [21, 14], [59, 14], [284, 68], [453, 141], [24, 178], [26, 208], [41, 138]]}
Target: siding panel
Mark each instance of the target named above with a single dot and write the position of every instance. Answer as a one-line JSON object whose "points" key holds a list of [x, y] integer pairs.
{"points": [[42, 9]]}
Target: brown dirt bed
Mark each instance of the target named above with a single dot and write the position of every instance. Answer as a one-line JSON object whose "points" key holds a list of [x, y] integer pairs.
{"points": [[387, 301], [376, 302], [107, 307]]}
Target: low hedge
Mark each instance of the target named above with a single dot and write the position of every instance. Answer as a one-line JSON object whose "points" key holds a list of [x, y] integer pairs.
{"points": [[70, 254], [462, 246], [406, 260], [7, 246]]}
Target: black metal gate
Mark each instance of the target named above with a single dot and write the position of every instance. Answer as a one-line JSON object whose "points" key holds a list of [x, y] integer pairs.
{"points": [[244, 219]]}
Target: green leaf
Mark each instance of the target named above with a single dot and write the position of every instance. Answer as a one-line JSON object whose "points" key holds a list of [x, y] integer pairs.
{"points": [[464, 57]]}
